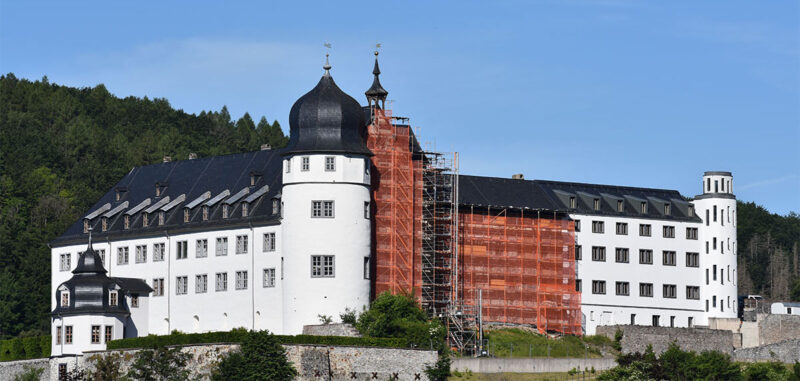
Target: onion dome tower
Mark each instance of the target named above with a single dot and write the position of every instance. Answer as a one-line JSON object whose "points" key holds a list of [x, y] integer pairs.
{"points": [[92, 308], [376, 94], [325, 207]]}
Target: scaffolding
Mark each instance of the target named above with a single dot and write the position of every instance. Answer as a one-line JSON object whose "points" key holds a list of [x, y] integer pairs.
{"points": [[438, 221]]}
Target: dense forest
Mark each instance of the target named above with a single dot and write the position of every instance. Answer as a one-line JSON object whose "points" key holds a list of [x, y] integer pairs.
{"points": [[61, 149]]}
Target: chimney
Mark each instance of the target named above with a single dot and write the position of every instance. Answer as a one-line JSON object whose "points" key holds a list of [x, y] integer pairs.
{"points": [[192, 156], [266, 147], [167, 159], [518, 176]]}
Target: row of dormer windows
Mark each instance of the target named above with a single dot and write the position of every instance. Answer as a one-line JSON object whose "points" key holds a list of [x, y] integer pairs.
{"points": [[573, 204]]}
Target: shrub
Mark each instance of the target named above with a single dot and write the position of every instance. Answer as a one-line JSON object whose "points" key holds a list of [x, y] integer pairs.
{"points": [[22, 348], [349, 316], [106, 367], [29, 374], [162, 364], [400, 316], [441, 370], [261, 357], [325, 319]]}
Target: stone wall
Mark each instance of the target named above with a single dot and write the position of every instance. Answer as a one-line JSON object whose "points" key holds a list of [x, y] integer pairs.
{"points": [[312, 362], [636, 338], [331, 330], [787, 351], [10, 369], [530, 365], [776, 328]]}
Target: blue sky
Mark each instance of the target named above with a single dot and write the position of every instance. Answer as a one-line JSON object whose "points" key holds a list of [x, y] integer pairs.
{"points": [[639, 93]]}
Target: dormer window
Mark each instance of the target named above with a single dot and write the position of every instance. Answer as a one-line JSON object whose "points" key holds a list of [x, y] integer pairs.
{"points": [[112, 298], [104, 223], [667, 209], [244, 209], [119, 193], [144, 219], [620, 206], [205, 212], [160, 189], [224, 210], [64, 298], [275, 206], [161, 218], [186, 215], [126, 221], [644, 207], [254, 178], [573, 203], [85, 225], [691, 210], [597, 204]]}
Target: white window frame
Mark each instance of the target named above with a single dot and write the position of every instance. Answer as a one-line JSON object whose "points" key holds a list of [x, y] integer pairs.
{"points": [[242, 244], [123, 255], [221, 282], [241, 280], [65, 263], [141, 253], [330, 163], [201, 283], [269, 277], [158, 251], [181, 285], [182, 249], [323, 266], [158, 286], [65, 298], [113, 298], [201, 248], [323, 209], [305, 164], [221, 249], [269, 242]]}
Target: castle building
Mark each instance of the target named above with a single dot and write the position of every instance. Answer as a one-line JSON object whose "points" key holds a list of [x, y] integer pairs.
{"points": [[353, 207]]}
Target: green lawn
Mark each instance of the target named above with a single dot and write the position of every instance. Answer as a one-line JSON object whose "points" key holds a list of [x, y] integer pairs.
{"points": [[516, 342]]}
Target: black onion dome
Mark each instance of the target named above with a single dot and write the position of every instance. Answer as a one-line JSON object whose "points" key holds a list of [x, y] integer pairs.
{"points": [[326, 119], [89, 262]]}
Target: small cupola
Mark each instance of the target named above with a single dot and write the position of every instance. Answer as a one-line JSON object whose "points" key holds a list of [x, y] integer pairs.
{"points": [[376, 94]]}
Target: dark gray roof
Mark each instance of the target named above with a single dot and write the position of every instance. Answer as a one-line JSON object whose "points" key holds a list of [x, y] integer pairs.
{"points": [[556, 196], [717, 173], [327, 120], [191, 178]]}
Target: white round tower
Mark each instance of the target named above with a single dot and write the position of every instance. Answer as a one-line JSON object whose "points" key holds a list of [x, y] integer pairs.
{"points": [[717, 208], [325, 208]]}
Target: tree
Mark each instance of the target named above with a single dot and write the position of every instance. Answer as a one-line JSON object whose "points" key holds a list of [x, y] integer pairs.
{"points": [[160, 364], [400, 316], [261, 357]]}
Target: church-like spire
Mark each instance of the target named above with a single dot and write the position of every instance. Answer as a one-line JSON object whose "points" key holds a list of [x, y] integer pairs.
{"points": [[89, 262], [376, 93]]}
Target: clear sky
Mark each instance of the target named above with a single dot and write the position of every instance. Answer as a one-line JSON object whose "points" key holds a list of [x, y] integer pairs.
{"points": [[639, 93]]}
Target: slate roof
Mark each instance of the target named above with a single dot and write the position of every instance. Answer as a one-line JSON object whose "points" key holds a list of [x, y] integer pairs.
{"points": [[186, 180], [556, 196]]}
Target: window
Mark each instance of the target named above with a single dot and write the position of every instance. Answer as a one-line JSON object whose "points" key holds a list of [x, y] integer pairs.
{"points": [[241, 280], [222, 282], [668, 258], [691, 322], [708, 220], [646, 290], [572, 202], [623, 288], [181, 285], [669, 232], [241, 244], [322, 209], [598, 253], [706, 247], [655, 320], [645, 257], [200, 283], [95, 334], [598, 227], [322, 266], [691, 214], [158, 252], [706, 277], [269, 242], [578, 253], [366, 209], [288, 165], [205, 212], [201, 248], [181, 250], [599, 287], [330, 163], [620, 206], [669, 291], [693, 292], [714, 301], [622, 228], [144, 219], [578, 285], [633, 319], [134, 300], [714, 273], [122, 256], [714, 246], [161, 218], [109, 333], [692, 259], [185, 214], [65, 260], [112, 298], [222, 246], [68, 334], [715, 213], [158, 287], [597, 204], [644, 230], [366, 267], [224, 210], [62, 371], [622, 255], [304, 164], [269, 277], [126, 221], [643, 207], [65, 298], [141, 254], [59, 334], [577, 225], [102, 253], [244, 209], [275, 206], [691, 233], [667, 209]]}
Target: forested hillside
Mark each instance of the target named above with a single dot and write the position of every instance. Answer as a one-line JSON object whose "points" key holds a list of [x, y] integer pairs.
{"points": [[768, 252], [61, 148]]}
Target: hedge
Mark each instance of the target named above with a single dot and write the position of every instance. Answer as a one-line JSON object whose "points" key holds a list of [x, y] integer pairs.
{"points": [[22, 348], [237, 336]]}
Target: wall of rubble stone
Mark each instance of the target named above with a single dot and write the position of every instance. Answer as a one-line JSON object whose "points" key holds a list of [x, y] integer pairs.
{"points": [[312, 362], [9, 369], [331, 330], [776, 328], [636, 338], [787, 351]]}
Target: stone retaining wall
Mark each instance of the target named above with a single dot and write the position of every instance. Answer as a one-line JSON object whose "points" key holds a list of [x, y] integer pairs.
{"points": [[331, 330], [636, 338], [530, 365], [787, 351], [10, 369], [776, 328]]}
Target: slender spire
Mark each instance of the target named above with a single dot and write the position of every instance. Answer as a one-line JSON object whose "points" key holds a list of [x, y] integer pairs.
{"points": [[376, 92]]}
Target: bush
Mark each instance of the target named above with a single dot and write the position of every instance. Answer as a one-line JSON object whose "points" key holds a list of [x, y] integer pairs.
{"points": [[22, 348], [29, 374], [106, 367], [349, 316], [674, 364], [400, 316], [162, 364], [441, 370], [261, 357]]}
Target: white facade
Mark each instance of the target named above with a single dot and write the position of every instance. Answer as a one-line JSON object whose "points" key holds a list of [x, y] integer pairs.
{"points": [[785, 308], [83, 333]]}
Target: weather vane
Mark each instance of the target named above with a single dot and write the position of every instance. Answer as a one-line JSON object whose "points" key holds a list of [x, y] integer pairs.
{"points": [[377, 46]]}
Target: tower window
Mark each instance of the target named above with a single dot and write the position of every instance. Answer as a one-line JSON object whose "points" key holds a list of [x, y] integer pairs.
{"points": [[95, 334], [366, 267], [304, 164], [112, 298], [322, 209], [366, 209], [68, 334], [65, 298], [322, 266], [330, 163], [59, 335], [288, 165]]}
